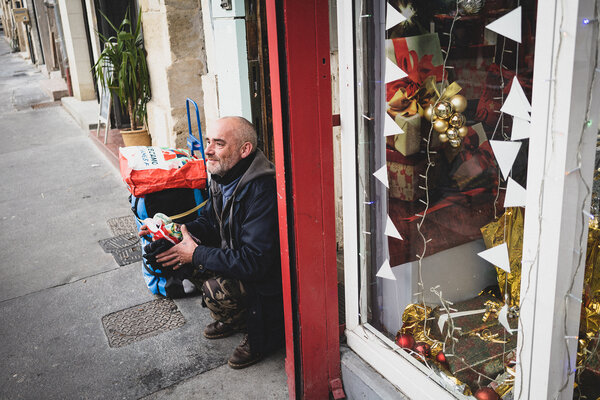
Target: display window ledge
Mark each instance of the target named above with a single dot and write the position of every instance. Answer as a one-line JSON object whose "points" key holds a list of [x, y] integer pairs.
{"points": [[406, 373]]}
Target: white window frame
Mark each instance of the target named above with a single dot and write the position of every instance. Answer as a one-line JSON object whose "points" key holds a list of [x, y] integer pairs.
{"points": [[563, 73]]}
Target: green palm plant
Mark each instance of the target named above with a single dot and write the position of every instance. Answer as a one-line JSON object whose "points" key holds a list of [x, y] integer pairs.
{"points": [[127, 73]]}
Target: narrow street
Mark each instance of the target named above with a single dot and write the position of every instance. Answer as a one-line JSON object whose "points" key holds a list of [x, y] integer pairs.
{"points": [[57, 193]]}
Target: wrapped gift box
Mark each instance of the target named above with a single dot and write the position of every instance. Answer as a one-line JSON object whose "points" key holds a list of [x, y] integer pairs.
{"points": [[409, 142], [403, 174], [479, 349]]}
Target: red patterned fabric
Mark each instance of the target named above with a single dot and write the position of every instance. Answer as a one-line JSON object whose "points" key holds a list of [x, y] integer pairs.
{"points": [[488, 109]]}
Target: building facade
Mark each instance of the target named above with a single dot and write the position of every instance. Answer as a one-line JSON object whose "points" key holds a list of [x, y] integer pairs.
{"points": [[446, 147]]}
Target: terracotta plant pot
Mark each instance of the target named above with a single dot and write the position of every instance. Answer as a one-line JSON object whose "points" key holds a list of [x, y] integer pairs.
{"points": [[139, 137]]}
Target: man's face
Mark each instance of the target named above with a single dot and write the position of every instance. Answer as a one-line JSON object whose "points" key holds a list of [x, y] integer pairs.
{"points": [[223, 149]]}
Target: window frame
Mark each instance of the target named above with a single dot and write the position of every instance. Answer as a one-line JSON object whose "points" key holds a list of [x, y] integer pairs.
{"points": [[560, 67]]}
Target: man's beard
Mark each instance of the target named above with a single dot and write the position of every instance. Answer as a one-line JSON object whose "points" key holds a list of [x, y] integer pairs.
{"points": [[217, 167]]}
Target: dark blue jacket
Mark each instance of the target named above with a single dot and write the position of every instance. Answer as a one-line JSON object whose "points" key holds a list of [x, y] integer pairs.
{"points": [[241, 240]]}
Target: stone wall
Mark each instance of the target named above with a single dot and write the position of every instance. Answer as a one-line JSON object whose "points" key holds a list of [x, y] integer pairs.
{"points": [[174, 40]]}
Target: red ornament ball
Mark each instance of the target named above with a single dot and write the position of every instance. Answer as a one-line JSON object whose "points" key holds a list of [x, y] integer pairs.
{"points": [[405, 341], [486, 393], [423, 348], [441, 358]]}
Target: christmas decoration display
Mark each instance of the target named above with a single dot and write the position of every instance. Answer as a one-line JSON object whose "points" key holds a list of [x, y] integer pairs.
{"points": [[441, 358], [423, 348], [508, 229], [443, 178], [470, 7], [486, 393], [474, 333], [420, 57], [403, 175], [588, 353], [405, 341], [446, 118]]}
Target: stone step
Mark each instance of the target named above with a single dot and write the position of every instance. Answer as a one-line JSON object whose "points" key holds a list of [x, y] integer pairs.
{"points": [[55, 88], [85, 113]]}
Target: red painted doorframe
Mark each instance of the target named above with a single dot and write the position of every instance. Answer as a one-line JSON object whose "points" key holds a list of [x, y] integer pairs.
{"points": [[298, 37]]}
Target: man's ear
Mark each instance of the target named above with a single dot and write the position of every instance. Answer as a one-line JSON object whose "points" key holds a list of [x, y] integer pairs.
{"points": [[246, 149]]}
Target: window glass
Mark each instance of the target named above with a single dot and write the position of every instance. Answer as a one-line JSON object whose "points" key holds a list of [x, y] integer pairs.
{"points": [[443, 110], [588, 351]]}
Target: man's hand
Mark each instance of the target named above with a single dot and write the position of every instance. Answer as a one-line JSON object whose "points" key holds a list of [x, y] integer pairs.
{"points": [[144, 231], [179, 254]]}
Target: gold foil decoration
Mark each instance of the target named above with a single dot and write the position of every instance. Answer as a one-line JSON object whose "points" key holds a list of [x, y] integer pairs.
{"points": [[488, 336], [413, 323], [492, 309], [508, 228], [589, 327], [413, 317]]}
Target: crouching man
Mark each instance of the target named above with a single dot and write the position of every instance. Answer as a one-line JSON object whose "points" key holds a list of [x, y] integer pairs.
{"points": [[233, 245]]}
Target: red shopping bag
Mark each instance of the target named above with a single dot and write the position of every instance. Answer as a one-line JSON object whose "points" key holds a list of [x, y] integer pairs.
{"points": [[147, 169]]}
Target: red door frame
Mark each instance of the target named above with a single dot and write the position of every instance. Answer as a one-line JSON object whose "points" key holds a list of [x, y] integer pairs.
{"points": [[298, 38]]}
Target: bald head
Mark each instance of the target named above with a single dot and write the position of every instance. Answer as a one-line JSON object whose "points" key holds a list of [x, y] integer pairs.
{"points": [[228, 141], [242, 129]]}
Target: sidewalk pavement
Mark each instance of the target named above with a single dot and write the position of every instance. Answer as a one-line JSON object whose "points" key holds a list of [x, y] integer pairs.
{"points": [[56, 283]]}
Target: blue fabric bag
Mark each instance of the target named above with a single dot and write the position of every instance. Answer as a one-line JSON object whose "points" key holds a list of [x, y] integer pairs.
{"points": [[170, 202]]}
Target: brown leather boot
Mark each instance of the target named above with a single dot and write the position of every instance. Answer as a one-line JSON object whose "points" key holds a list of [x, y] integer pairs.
{"points": [[218, 330], [243, 356]]}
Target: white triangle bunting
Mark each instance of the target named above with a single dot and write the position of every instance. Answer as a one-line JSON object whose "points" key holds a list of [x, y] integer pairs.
{"points": [[521, 129], [390, 127], [505, 153], [508, 25], [503, 319], [385, 271], [519, 89], [515, 104], [393, 18], [382, 175], [497, 256], [391, 230], [393, 72], [516, 195]]}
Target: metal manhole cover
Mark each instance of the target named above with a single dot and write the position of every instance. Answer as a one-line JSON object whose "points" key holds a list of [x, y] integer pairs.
{"points": [[119, 242], [127, 255], [122, 225], [140, 322]]}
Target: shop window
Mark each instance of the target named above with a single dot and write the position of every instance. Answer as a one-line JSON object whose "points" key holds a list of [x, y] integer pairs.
{"points": [[444, 107], [443, 93]]}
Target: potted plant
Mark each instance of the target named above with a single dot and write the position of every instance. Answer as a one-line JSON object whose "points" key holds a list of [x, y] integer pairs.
{"points": [[122, 68]]}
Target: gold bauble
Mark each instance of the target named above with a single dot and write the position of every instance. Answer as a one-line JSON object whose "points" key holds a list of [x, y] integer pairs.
{"points": [[457, 120], [459, 102], [443, 109], [443, 137], [455, 142], [452, 133], [429, 114], [463, 131], [440, 125]]}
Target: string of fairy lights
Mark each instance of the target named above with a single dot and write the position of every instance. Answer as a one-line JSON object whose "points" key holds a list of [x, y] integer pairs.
{"points": [[585, 216], [446, 305]]}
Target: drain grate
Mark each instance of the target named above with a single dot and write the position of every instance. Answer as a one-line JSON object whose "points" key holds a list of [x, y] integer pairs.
{"points": [[128, 255], [122, 225], [141, 322], [125, 245], [119, 242]]}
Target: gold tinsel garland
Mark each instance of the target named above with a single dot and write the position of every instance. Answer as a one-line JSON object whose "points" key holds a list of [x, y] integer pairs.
{"points": [[509, 228]]}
